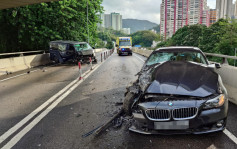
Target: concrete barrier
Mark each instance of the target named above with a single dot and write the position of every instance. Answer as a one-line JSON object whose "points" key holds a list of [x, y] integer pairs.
{"points": [[99, 50], [229, 77], [228, 74], [15, 64], [145, 52]]}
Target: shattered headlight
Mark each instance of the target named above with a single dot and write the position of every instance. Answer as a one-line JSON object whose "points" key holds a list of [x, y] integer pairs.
{"points": [[216, 102]]}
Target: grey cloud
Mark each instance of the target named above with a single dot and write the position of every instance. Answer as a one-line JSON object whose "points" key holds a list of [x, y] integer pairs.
{"points": [[138, 9]]}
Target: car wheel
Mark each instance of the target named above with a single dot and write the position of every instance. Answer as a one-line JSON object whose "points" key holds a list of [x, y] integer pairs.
{"points": [[95, 61], [130, 54], [56, 60], [119, 54], [127, 103]]}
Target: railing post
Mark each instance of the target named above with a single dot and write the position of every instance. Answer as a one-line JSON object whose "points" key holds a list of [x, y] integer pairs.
{"points": [[225, 61], [101, 57]]}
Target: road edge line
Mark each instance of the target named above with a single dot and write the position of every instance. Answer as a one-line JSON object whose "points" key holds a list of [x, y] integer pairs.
{"points": [[139, 57], [27, 128], [230, 135]]}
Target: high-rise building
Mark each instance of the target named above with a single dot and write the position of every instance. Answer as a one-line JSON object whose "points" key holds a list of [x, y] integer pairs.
{"points": [[177, 13], [225, 8], [107, 21], [235, 10], [113, 20], [126, 30], [213, 16], [116, 21]]}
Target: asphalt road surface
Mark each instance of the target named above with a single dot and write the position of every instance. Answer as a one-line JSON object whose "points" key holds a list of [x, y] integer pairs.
{"points": [[50, 108]]}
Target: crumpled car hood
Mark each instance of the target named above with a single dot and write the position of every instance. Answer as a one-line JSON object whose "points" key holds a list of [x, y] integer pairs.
{"points": [[183, 78], [87, 52]]}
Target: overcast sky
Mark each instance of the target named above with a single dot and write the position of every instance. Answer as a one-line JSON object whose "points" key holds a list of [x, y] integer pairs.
{"points": [[139, 9]]}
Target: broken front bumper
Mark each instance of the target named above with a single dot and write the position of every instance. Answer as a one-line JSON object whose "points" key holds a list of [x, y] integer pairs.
{"points": [[205, 121]]}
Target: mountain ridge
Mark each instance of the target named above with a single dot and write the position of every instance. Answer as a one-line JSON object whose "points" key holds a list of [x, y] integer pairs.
{"points": [[138, 25]]}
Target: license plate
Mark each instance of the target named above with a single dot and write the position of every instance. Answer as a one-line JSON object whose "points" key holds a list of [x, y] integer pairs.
{"points": [[174, 125], [125, 52]]}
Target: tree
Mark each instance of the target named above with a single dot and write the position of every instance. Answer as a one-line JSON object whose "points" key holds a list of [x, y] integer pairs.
{"points": [[221, 37], [109, 35], [211, 36], [228, 42], [157, 28], [109, 45], [188, 35], [32, 27], [144, 38]]}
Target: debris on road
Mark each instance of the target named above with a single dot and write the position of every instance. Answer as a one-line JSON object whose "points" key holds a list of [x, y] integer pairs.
{"points": [[104, 126], [78, 115], [114, 120], [118, 122], [118, 103], [91, 132]]}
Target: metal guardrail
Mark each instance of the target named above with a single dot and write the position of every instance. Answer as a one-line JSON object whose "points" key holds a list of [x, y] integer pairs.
{"points": [[22, 53], [224, 57]]}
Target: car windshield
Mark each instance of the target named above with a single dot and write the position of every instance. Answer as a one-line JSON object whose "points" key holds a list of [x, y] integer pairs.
{"points": [[160, 57], [82, 47], [124, 43]]}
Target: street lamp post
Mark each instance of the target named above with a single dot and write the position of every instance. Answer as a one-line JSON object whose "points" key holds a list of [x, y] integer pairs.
{"points": [[88, 38]]}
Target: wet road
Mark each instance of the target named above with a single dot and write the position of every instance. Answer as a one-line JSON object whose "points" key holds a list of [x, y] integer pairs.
{"points": [[83, 107]]}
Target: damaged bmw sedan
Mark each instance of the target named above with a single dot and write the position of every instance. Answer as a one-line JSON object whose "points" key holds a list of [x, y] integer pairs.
{"points": [[177, 92]]}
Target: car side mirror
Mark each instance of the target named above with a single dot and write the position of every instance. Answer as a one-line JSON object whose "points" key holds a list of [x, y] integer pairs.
{"points": [[93, 47], [217, 65], [117, 45]]}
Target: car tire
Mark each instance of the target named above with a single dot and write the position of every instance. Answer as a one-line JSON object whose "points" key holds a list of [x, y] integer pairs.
{"points": [[130, 54], [95, 61], [127, 103], [56, 60], [119, 54]]}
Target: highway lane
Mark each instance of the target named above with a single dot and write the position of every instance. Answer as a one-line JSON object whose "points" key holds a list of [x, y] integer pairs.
{"points": [[21, 95], [93, 102]]}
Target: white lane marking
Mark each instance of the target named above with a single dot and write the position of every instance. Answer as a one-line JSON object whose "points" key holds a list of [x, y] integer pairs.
{"points": [[32, 114], [22, 133], [18, 75], [36, 111], [230, 135], [139, 58]]}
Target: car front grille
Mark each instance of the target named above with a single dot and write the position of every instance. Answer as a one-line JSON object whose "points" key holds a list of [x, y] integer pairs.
{"points": [[176, 114], [184, 113], [158, 114]]}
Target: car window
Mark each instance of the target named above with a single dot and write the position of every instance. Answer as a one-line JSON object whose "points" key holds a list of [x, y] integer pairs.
{"points": [[84, 46], [58, 46], [62, 47], [160, 57]]}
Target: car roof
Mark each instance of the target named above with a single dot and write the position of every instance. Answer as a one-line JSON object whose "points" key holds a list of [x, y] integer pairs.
{"points": [[67, 42], [179, 48]]}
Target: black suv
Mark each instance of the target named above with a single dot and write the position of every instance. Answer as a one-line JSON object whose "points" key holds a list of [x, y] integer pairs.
{"points": [[62, 51]]}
